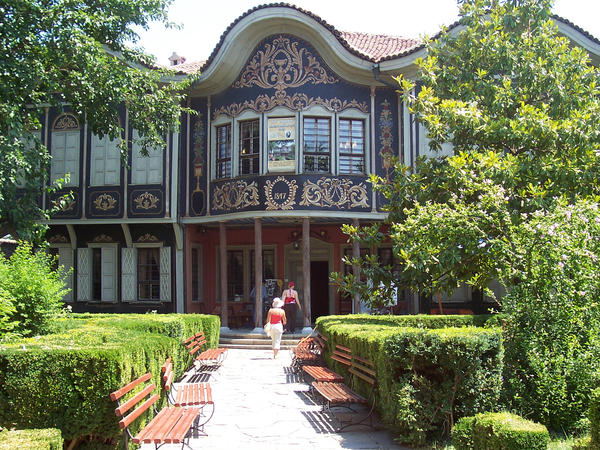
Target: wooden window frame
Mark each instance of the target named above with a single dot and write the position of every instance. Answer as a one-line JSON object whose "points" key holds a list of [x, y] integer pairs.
{"points": [[221, 170], [314, 153], [253, 145], [347, 141]]}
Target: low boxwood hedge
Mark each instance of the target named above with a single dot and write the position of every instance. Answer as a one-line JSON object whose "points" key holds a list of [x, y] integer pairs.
{"points": [[417, 321], [37, 439], [499, 431], [594, 416], [428, 377], [63, 380]]}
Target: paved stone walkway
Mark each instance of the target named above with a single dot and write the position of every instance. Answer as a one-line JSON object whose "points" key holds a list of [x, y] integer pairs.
{"points": [[260, 404]]}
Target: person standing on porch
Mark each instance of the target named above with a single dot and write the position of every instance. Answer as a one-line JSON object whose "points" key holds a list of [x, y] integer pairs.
{"points": [[291, 305], [276, 317]]}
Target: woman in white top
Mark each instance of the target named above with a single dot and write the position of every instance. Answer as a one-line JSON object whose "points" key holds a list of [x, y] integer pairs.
{"points": [[276, 317]]}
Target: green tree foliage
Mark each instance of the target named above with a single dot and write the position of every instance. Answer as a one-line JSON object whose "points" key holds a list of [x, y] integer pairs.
{"points": [[74, 53], [520, 106], [31, 291], [552, 331]]}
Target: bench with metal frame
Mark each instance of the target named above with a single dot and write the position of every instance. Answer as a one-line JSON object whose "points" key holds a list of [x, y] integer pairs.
{"points": [[344, 395], [197, 395], [170, 425], [321, 372], [207, 356], [308, 351]]}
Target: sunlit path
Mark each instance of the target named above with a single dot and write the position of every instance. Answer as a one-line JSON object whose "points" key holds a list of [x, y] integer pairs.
{"points": [[260, 404]]}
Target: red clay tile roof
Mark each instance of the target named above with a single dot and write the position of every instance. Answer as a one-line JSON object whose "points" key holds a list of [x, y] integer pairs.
{"points": [[379, 46], [372, 47], [188, 67]]}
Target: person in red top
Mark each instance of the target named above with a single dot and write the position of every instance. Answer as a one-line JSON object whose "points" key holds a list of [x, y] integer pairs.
{"points": [[291, 305], [276, 317]]}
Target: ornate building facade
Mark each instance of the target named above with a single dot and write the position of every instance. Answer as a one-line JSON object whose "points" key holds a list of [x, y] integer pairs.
{"points": [[292, 118]]}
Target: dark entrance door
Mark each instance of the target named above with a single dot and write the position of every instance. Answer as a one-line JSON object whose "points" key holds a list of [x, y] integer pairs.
{"points": [[319, 289]]}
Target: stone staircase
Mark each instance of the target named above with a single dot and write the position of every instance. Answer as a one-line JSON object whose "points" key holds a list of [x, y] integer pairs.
{"points": [[247, 339]]}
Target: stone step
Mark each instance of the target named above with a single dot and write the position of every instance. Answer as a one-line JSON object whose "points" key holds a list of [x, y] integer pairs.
{"points": [[255, 341], [255, 346]]}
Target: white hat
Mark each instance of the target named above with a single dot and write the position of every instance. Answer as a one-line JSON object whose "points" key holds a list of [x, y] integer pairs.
{"points": [[277, 302]]}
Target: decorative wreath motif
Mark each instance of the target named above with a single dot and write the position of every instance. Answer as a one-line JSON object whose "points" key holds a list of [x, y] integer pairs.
{"points": [[146, 201], [103, 238], [235, 195], [148, 238], [105, 202], [338, 192], [272, 202]]}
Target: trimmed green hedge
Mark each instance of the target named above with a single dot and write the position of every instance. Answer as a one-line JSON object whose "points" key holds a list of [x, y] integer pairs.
{"points": [[594, 415], [427, 378], [417, 321], [499, 431], [63, 380], [37, 439]]}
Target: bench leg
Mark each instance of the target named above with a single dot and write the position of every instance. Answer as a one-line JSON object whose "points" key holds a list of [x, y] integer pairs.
{"points": [[361, 421], [203, 418]]}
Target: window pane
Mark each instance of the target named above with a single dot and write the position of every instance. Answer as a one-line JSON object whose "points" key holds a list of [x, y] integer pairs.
{"points": [[352, 146], [235, 274], [96, 274], [249, 147], [148, 274], [317, 138], [224, 151]]}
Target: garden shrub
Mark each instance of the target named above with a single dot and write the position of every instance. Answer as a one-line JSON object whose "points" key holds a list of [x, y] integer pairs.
{"points": [[417, 321], [594, 416], [462, 434], [63, 380], [31, 291], [427, 378], [584, 443], [35, 439], [506, 431], [552, 327]]}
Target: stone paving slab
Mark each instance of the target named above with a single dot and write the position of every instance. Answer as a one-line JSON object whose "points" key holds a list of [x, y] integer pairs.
{"points": [[260, 404]]}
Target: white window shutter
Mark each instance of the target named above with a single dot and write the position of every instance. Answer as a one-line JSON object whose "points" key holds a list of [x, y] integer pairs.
{"points": [[84, 275], [59, 145], [112, 163], [165, 274], [65, 259], [97, 161], [109, 279], [128, 274], [155, 163], [72, 157]]}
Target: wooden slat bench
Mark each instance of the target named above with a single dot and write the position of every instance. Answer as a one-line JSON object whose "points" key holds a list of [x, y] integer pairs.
{"points": [[308, 351], [207, 356], [340, 394], [322, 373], [171, 425], [198, 395]]}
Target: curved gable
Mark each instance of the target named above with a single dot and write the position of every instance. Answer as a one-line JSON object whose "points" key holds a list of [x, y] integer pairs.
{"points": [[338, 50]]}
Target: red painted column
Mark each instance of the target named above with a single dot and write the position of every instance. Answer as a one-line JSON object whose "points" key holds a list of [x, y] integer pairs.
{"points": [[258, 273], [223, 271]]}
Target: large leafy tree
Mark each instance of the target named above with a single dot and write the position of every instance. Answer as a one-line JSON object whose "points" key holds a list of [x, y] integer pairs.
{"points": [[521, 108], [519, 105], [76, 53]]}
